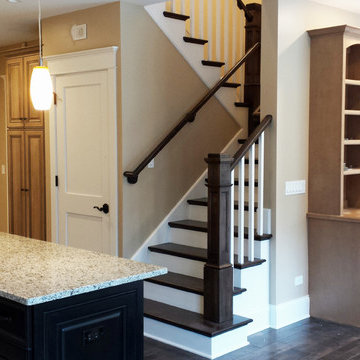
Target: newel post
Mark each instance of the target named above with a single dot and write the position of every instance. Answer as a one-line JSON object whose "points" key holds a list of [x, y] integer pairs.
{"points": [[218, 271]]}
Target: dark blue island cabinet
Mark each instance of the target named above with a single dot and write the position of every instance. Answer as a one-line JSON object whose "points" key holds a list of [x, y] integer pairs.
{"points": [[105, 324]]}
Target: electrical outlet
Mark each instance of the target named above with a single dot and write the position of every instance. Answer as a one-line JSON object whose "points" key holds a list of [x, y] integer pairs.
{"points": [[3, 169], [78, 32], [299, 280], [295, 187], [151, 164]]}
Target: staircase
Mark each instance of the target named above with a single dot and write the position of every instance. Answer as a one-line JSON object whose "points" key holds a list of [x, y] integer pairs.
{"points": [[212, 53], [213, 243]]}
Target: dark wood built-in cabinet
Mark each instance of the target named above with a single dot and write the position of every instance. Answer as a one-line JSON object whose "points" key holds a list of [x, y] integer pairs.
{"points": [[104, 324], [26, 154]]}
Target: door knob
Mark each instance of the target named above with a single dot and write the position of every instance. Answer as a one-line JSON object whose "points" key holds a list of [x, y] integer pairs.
{"points": [[105, 208]]}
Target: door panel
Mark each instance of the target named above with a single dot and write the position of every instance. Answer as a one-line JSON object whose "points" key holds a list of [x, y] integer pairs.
{"points": [[17, 213], [83, 160], [35, 184], [15, 94], [34, 118]]}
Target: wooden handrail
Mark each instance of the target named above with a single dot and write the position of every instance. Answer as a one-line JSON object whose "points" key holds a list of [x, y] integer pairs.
{"points": [[248, 14], [132, 176], [251, 141]]}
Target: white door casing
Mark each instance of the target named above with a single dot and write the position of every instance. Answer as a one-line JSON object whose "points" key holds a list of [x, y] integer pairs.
{"points": [[83, 142]]}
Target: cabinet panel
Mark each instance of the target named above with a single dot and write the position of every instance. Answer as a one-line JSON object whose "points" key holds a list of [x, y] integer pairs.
{"points": [[35, 184], [34, 118], [16, 182], [11, 352], [15, 93]]}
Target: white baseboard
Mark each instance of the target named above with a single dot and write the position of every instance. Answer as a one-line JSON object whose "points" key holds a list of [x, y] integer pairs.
{"points": [[290, 312]]}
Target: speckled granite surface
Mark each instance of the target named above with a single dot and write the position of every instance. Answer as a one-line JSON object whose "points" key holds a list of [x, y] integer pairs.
{"points": [[33, 272]]}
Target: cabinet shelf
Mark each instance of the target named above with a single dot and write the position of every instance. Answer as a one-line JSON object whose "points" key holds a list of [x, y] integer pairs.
{"points": [[351, 142], [352, 112], [352, 172], [352, 82]]}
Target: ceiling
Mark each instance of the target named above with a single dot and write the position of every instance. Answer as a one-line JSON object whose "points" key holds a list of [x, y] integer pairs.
{"points": [[18, 22], [350, 5]]}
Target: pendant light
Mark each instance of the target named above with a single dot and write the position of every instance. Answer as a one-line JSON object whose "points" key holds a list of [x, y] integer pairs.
{"points": [[41, 90]]}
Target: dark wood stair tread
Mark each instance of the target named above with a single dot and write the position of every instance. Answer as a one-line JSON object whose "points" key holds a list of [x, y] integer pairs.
{"points": [[202, 226], [212, 63], [190, 320], [231, 85], [204, 202], [195, 40], [185, 283], [176, 16], [198, 254], [241, 104]]}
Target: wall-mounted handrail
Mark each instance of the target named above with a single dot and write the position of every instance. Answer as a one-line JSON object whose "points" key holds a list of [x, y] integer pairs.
{"points": [[132, 176], [242, 6]]}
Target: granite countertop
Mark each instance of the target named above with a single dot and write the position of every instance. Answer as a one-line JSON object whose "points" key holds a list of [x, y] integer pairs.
{"points": [[33, 272]]}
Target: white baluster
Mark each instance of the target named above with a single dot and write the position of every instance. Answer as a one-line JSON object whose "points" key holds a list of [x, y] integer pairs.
{"points": [[210, 25], [201, 19], [232, 223], [183, 7], [260, 211], [218, 30], [193, 17], [251, 224], [241, 212]]}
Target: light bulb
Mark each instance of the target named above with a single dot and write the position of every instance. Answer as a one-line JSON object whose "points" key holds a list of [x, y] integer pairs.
{"points": [[41, 89]]}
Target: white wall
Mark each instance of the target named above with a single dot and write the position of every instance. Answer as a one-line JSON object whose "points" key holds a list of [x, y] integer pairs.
{"points": [[288, 72]]}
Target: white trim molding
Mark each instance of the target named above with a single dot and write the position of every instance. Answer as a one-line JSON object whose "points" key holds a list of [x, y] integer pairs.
{"points": [[289, 312], [82, 61]]}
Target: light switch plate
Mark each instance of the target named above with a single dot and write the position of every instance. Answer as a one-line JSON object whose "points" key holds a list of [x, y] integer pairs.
{"points": [[295, 187], [151, 164], [3, 169], [299, 280]]}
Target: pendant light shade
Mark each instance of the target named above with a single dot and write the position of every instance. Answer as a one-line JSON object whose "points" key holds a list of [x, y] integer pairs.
{"points": [[41, 89]]}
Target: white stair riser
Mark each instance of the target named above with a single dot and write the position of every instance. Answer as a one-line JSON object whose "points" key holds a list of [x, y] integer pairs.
{"points": [[199, 213], [182, 299], [178, 265], [207, 347], [199, 239]]}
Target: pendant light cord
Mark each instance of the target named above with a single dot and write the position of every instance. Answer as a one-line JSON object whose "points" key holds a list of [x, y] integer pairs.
{"points": [[40, 33]]}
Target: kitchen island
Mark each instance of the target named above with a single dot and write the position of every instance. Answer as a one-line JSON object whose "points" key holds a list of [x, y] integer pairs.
{"points": [[62, 303]]}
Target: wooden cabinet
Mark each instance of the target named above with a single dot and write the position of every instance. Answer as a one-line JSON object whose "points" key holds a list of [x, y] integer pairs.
{"points": [[107, 323], [26, 158], [21, 113], [26, 183], [334, 133]]}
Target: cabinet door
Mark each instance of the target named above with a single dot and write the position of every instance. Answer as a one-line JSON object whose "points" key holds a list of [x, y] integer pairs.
{"points": [[15, 93], [35, 184], [16, 182], [33, 118]]}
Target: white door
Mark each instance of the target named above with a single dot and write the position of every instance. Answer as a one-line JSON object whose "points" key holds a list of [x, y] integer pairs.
{"points": [[86, 149]]}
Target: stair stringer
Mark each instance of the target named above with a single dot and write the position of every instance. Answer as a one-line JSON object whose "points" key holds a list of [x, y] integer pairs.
{"points": [[194, 54]]}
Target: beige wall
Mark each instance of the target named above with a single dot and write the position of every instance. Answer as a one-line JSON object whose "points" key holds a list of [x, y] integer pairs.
{"points": [[286, 72], [103, 30], [158, 88], [3, 182]]}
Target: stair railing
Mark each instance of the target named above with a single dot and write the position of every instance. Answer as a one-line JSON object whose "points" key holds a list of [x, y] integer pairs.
{"points": [[218, 270], [132, 176]]}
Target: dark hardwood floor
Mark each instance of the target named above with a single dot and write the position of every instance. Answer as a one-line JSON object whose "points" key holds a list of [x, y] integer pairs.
{"points": [[310, 339]]}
